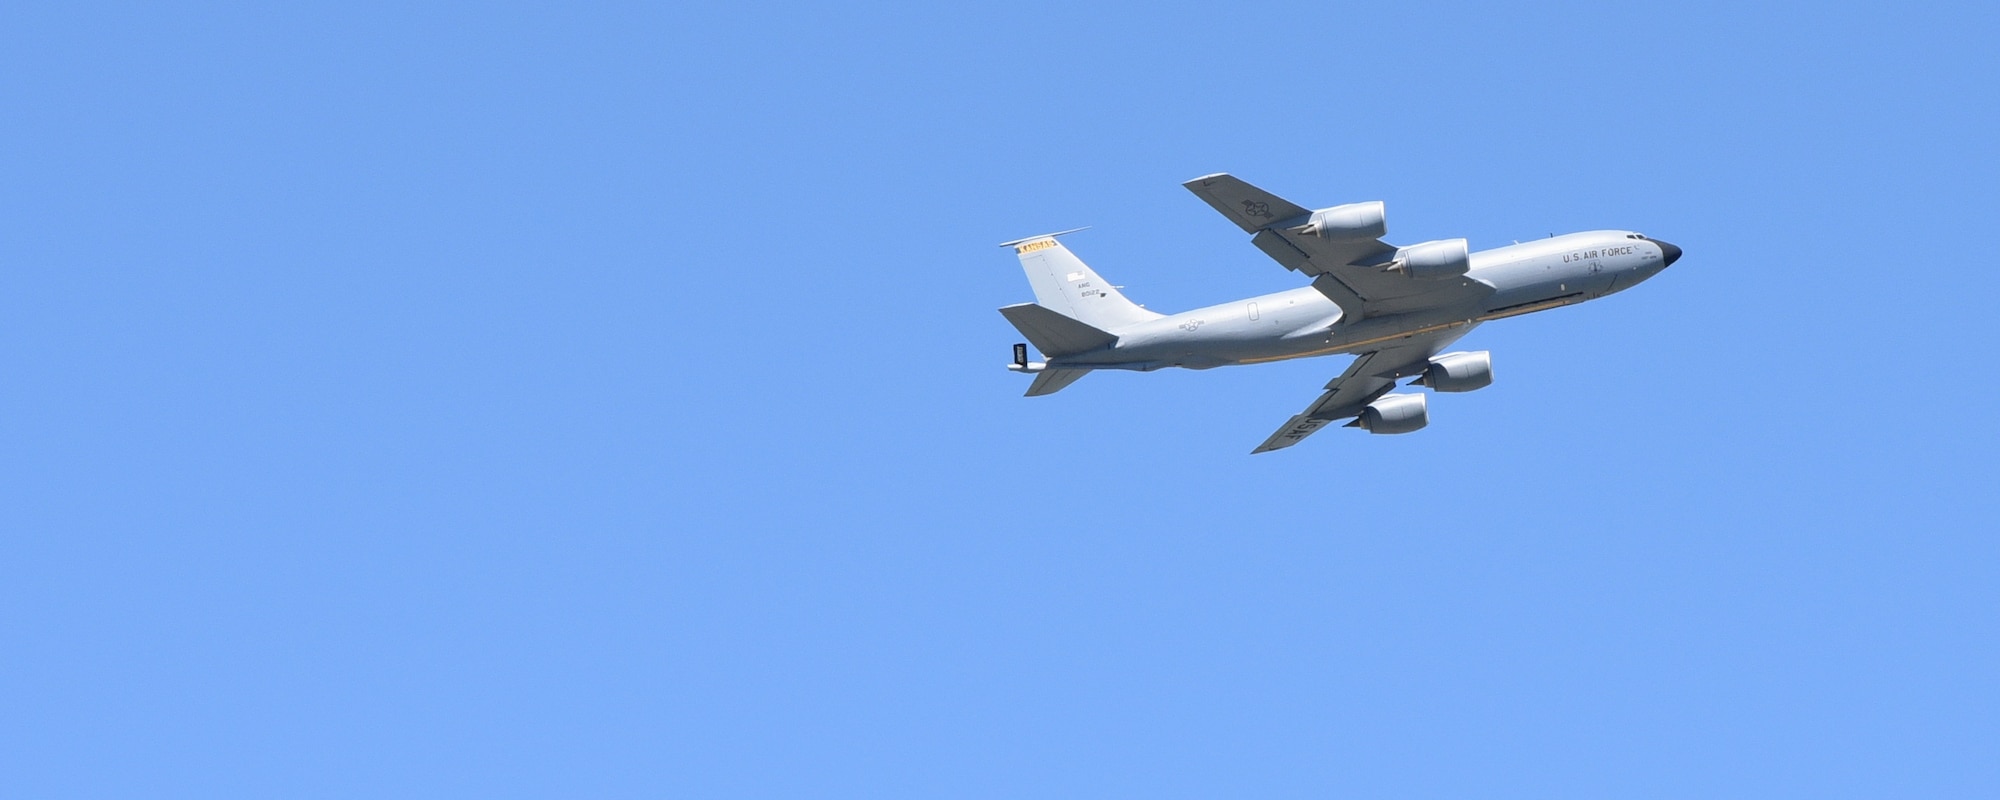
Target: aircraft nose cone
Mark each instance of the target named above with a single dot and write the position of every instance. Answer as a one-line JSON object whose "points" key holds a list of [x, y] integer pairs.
{"points": [[1668, 250]]}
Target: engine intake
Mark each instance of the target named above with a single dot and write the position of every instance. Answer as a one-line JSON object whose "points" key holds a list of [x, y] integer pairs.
{"points": [[1459, 372], [1351, 221], [1444, 258], [1393, 413]]}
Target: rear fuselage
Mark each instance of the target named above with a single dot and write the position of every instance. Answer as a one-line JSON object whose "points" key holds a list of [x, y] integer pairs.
{"points": [[1516, 279]]}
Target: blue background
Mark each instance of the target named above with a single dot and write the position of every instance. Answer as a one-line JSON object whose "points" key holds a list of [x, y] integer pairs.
{"points": [[536, 400]]}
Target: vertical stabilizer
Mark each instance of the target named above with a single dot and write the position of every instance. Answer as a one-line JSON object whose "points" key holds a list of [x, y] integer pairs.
{"points": [[1064, 284]]}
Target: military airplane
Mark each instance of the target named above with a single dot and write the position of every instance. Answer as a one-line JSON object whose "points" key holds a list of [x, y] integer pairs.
{"points": [[1395, 308]]}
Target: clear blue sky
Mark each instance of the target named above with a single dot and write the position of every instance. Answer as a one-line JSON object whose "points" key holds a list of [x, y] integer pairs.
{"points": [[540, 400]]}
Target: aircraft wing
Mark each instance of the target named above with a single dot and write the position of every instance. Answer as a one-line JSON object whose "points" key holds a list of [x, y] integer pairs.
{"points": [[1349, 272], [1371, 375]]}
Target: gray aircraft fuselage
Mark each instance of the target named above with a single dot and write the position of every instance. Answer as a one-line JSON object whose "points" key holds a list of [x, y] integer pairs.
{"points": [[1517, 279]]}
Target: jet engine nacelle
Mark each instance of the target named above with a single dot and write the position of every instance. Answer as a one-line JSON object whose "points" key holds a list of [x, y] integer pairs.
{"points": [[1459, 372], [1444, 258], [1393, 413], [1351, 221]]}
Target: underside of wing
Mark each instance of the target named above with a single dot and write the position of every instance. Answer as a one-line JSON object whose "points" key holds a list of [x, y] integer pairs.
{"points": [[1251, 208], [1372, 375], [1341, 248]]}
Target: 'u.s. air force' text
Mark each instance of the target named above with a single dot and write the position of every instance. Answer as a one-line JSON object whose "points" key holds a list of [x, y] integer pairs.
{"points": [[1604, 253]]}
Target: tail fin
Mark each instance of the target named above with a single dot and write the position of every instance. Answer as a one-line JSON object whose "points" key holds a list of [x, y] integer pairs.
{"points": [[1063, 283]]}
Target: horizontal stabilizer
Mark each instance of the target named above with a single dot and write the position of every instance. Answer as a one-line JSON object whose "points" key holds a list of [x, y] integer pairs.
{"points": [[1055, 334], [1050, 381], [1247, 206]]}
